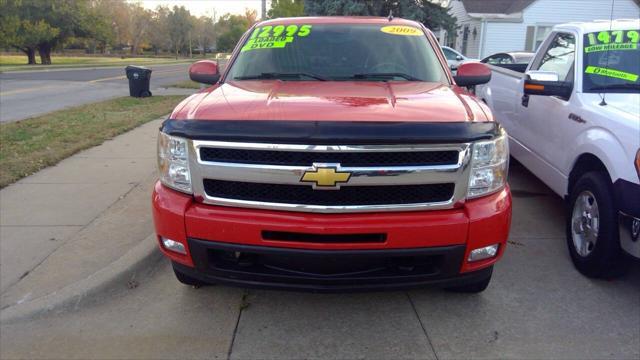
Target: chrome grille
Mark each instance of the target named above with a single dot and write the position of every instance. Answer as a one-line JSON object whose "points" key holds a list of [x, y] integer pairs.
{"points": [[301, 158], [268, 176]]}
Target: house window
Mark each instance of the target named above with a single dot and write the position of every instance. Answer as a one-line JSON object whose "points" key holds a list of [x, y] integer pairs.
{"points": [[535, 36]]}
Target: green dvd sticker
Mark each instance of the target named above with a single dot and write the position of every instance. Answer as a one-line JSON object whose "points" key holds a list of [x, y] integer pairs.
{"points": [[275, 37], [613, 73]]}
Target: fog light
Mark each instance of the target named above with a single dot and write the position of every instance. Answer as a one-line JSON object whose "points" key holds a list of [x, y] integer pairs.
{"points": [[173, 246], [483, 253]]}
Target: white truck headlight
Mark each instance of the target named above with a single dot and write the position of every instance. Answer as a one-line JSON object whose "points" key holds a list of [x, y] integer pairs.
{"points": [[173, 162], [489, 166]]}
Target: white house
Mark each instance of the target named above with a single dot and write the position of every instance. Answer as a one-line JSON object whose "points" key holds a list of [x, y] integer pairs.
{"points": [[486, 27]]}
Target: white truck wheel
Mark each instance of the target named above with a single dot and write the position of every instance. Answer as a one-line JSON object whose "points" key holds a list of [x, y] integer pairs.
{"points": [[592, 231]]}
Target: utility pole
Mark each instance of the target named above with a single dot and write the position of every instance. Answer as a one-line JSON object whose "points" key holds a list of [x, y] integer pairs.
{"points": [[264, 9]]}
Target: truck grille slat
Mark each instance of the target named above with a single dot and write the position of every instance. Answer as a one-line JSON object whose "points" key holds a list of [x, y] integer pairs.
{"points": [[355, 159], [347, 196]]}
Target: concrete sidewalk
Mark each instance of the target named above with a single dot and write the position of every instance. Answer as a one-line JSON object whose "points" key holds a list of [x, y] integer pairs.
{"points": [[66, 222]]}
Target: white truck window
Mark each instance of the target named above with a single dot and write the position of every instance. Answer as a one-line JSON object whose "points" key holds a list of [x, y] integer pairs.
{"points": [[559, 56], [612, 61]]}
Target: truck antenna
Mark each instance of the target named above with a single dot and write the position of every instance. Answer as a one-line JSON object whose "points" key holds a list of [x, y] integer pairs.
{"points": [[390, 17], [604, 102]]}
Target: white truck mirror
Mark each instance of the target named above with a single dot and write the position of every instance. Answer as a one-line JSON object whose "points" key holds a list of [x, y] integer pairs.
{"points": [[543, 75]]}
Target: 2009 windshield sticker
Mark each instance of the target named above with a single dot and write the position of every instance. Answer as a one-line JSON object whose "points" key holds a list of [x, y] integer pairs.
{"points": [[401, 30], [275, 37], [611, 73], [612, 40]]}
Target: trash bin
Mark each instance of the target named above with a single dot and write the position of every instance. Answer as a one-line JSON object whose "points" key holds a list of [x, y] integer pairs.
{"points": [[139, 78]]}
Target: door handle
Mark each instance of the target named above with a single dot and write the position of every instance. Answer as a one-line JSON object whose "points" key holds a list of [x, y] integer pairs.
{"points": [[525, 100]]}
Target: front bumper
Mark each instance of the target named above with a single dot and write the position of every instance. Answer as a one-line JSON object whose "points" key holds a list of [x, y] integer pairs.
{"points": [[229, 245], [327, 270]]}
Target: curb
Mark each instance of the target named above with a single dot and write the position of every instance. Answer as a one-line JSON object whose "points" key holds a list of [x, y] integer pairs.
{"points": [[115, 276]]}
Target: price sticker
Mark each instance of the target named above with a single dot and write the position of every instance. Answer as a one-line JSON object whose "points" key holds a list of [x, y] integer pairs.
{"points": [[612, 40], [275, 37]]}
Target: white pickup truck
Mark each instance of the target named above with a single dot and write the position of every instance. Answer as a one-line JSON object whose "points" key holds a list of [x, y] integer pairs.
{"points": [[573, 118]]}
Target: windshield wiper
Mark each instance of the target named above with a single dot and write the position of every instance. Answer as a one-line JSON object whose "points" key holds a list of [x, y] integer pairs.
{"points": [[280, 76], [616, 87], [384, 76]]}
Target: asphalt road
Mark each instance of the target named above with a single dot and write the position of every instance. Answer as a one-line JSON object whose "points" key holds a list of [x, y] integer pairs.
{"points": [[31, 93], [537, 306]]}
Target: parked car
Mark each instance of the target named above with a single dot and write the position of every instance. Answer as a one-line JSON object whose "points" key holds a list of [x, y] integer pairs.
{"points": [[318, 161], [514, 60], [574, 120], [454, 58]]}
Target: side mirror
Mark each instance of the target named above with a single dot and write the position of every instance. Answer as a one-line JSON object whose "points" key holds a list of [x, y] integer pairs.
{"points": [[543, 75], [205, 72], [547, 84], [459, 58], [472, 73]]}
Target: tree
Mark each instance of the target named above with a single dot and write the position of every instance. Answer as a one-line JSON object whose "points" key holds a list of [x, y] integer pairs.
{"points": [[179, 26], [158, 30], [24, 34], [231, 27], [71, 18], [43, 25], [432, 15], [12, 35], [205, 33], [140, 21], [286, 8]]}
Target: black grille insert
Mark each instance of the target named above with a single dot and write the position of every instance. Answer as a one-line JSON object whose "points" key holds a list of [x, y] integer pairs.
{"points": [[323, 238], [346, 196], [300, 158]]}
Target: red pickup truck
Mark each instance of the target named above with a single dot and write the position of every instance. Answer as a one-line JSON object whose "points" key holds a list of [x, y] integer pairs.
{"points": [[334, 153]]}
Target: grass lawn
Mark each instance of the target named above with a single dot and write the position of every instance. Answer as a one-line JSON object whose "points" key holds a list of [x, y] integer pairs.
{"points": [[187, 84], [29, 145], [18, 62]]}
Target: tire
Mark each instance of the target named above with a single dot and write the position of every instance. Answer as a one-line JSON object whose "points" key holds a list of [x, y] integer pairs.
{"points": [[473, 288], [145, 93], [592, 229], [187, 280]]}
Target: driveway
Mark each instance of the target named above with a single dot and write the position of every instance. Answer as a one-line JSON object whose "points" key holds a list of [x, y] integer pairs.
{"points": [[537, 306]]}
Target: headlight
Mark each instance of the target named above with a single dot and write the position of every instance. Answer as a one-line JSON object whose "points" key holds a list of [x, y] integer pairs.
{"points": [[489, 166], [173, 162]]}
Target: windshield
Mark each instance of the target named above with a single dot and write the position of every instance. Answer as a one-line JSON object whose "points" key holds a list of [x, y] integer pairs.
{"points": [[338, 52], [612, 61]]}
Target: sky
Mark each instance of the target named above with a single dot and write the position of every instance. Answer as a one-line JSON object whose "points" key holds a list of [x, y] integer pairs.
{"points": [[206, 7]]}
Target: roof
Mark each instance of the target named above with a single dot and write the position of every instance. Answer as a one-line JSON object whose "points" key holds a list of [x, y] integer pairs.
{"points": [[495, 6], [341, 20], [601, 25]]}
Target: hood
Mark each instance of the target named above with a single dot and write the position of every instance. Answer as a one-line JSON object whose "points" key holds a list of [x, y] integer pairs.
{"points": [[619, 105], [627, 103], [332, 101]]}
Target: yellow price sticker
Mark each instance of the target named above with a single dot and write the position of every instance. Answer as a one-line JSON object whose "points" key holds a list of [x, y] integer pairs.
{"points": [[401, 30]]}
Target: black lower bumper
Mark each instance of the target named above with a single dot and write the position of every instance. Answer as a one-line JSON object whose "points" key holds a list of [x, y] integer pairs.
{"points": [[328, 270]]}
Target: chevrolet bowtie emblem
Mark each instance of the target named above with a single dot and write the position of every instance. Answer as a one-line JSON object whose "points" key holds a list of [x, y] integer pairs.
{"points": [[326, 176]]}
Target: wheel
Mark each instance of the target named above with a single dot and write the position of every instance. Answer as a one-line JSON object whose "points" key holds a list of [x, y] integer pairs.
{"points": [[592, 229], [473, 288], [187, 280], [145, 93]]}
